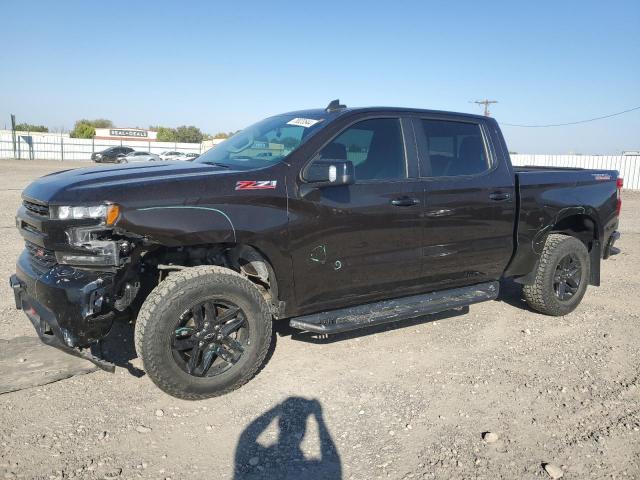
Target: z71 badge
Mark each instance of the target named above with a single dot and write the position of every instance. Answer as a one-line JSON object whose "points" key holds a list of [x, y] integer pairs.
{"points": [[256, 184]]}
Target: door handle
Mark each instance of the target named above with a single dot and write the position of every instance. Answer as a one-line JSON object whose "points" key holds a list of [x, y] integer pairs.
{"points": [[499, 196], [405, 202]]}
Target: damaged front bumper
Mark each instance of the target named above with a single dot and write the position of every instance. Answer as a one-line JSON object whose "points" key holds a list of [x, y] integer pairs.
{"points": [[69, 307]]}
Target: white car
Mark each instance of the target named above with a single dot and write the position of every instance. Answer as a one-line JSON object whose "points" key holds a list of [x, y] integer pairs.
{"points": [[170, 155], [133, 157], [187, 157]]}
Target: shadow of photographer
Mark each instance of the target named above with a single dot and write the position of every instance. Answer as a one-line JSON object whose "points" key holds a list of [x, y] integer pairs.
{"points": [[285, 458]]}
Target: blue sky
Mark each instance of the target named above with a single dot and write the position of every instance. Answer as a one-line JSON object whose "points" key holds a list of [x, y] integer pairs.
{"points": [[223, 65]]}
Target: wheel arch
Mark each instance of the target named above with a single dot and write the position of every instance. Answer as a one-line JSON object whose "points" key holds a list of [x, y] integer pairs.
{"points": [[581, 224], [586, 228], [248, 260]]}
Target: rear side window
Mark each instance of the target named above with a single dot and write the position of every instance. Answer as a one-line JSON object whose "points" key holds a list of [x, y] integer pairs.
{"points": [[454, 148], [375, 148]]}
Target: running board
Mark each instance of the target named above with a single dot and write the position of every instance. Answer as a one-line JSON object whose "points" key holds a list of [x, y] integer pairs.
{"points": [[386, 311]]}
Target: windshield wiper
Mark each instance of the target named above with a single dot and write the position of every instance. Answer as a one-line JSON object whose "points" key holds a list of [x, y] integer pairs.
{"points": [[216, 164]]}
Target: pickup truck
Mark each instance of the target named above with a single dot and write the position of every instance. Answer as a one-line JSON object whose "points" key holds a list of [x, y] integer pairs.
{"points": [[330, 219]]}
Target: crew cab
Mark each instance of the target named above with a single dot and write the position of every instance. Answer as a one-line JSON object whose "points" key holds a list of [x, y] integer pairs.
{"points": [[330, 219]]}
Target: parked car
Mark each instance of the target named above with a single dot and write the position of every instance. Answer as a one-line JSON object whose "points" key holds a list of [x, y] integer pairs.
{"points": [[186, 157], [111, 154], [170, 155], [368, 215], [140, 157]]}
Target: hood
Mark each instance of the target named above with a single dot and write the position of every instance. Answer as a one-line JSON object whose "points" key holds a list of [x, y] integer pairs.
{"points": [[99, 184]]}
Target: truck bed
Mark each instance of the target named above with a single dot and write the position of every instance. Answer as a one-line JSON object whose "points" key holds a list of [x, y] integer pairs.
{"points": [[533, 168]]}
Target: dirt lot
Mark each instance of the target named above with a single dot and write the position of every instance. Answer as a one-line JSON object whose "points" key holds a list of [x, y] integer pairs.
{"points": [[410, 400]]}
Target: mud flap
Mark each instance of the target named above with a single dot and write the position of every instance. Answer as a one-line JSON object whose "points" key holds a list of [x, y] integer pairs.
{"points": [[595, 255]]}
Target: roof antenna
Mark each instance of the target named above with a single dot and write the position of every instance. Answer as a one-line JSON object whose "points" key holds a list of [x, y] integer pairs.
{"points": [[334, 105]]}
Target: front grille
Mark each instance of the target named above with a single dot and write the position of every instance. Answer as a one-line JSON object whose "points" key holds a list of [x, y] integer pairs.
{"points": [[41, 210], [41, 258]]}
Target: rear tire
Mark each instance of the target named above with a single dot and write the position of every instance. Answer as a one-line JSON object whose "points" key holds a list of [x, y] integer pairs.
{"points": [[161, 325], [561, 278]]}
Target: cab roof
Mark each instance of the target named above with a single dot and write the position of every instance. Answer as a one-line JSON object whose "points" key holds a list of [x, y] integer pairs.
{"points": [[321, 112]]}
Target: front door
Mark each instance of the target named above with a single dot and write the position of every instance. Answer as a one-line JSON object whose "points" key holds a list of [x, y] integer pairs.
{"points": [[359, 242]]}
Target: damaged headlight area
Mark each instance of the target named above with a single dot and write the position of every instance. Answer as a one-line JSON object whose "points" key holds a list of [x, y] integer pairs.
{"points": [[99, 249], [107, 214]]}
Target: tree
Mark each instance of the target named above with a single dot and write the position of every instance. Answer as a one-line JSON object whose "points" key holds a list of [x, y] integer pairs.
{"points": [[27, 127], [182, 134], [188, 134], [97, 123], [83, 130], [221, 135], [87, 128], [165, 134]]}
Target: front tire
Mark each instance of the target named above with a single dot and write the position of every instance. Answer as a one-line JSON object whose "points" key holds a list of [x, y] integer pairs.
{"points": [[561, 278], [203, 332]]}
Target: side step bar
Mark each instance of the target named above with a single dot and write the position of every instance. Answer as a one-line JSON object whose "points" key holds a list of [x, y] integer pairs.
{"points": [[386, 311]]}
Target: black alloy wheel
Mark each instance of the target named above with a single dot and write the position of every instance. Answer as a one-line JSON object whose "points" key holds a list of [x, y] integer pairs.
{"points": [[210, 338], [567, 277]]}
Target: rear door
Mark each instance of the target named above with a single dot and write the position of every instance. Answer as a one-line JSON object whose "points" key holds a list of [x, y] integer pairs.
{"points": [[470, 202], [360, 242]]}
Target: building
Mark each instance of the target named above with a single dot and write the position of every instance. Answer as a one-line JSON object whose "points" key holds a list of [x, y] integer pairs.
{"points": [[125, 134]]}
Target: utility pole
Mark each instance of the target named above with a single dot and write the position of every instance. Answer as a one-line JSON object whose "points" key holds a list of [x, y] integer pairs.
{"points": [[13, 133], [486, 104]]}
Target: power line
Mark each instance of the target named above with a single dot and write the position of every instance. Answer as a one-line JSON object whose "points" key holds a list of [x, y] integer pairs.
{"points": [[572, 123]]}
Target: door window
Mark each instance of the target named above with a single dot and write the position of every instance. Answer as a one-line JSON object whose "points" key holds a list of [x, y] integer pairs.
{"points": [[375, 148], [454, 148]]}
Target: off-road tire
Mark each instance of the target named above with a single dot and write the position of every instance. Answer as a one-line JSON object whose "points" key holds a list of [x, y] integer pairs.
{"points": [[173, 296], [540, 295]]}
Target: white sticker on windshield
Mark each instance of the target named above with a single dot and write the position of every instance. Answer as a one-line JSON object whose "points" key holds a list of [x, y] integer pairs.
{"points": [[303, 122]]}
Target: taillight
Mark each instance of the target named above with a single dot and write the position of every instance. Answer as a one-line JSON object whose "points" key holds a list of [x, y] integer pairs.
{"points": [[619, 185]]}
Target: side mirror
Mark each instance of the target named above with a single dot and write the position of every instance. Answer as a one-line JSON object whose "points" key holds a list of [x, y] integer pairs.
{"points": [[326, 173]]}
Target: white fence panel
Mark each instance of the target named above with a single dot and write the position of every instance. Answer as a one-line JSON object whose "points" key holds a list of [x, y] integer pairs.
{"points": [[627, 165], [52, 147]]}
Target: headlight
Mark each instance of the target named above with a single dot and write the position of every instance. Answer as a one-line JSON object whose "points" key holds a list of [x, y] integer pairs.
{"points": [[101, 253], [95, 248], [108, 214]]}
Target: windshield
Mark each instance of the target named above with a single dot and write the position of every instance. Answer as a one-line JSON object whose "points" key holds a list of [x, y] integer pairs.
{"points": [[263, 143]]}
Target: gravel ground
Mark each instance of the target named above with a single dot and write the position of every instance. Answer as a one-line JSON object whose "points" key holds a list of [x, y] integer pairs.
{"points": [[495, 391]]}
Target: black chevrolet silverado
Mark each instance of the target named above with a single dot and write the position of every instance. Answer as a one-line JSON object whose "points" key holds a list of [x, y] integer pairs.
{"points": [[331, 219]]}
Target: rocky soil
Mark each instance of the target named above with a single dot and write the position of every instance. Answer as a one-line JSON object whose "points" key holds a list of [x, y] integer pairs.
{"points": [[495, 391]]}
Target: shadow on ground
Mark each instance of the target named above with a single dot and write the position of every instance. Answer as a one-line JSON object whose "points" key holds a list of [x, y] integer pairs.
{"points": [[511, 294], [285, 457], [119, 348]]}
